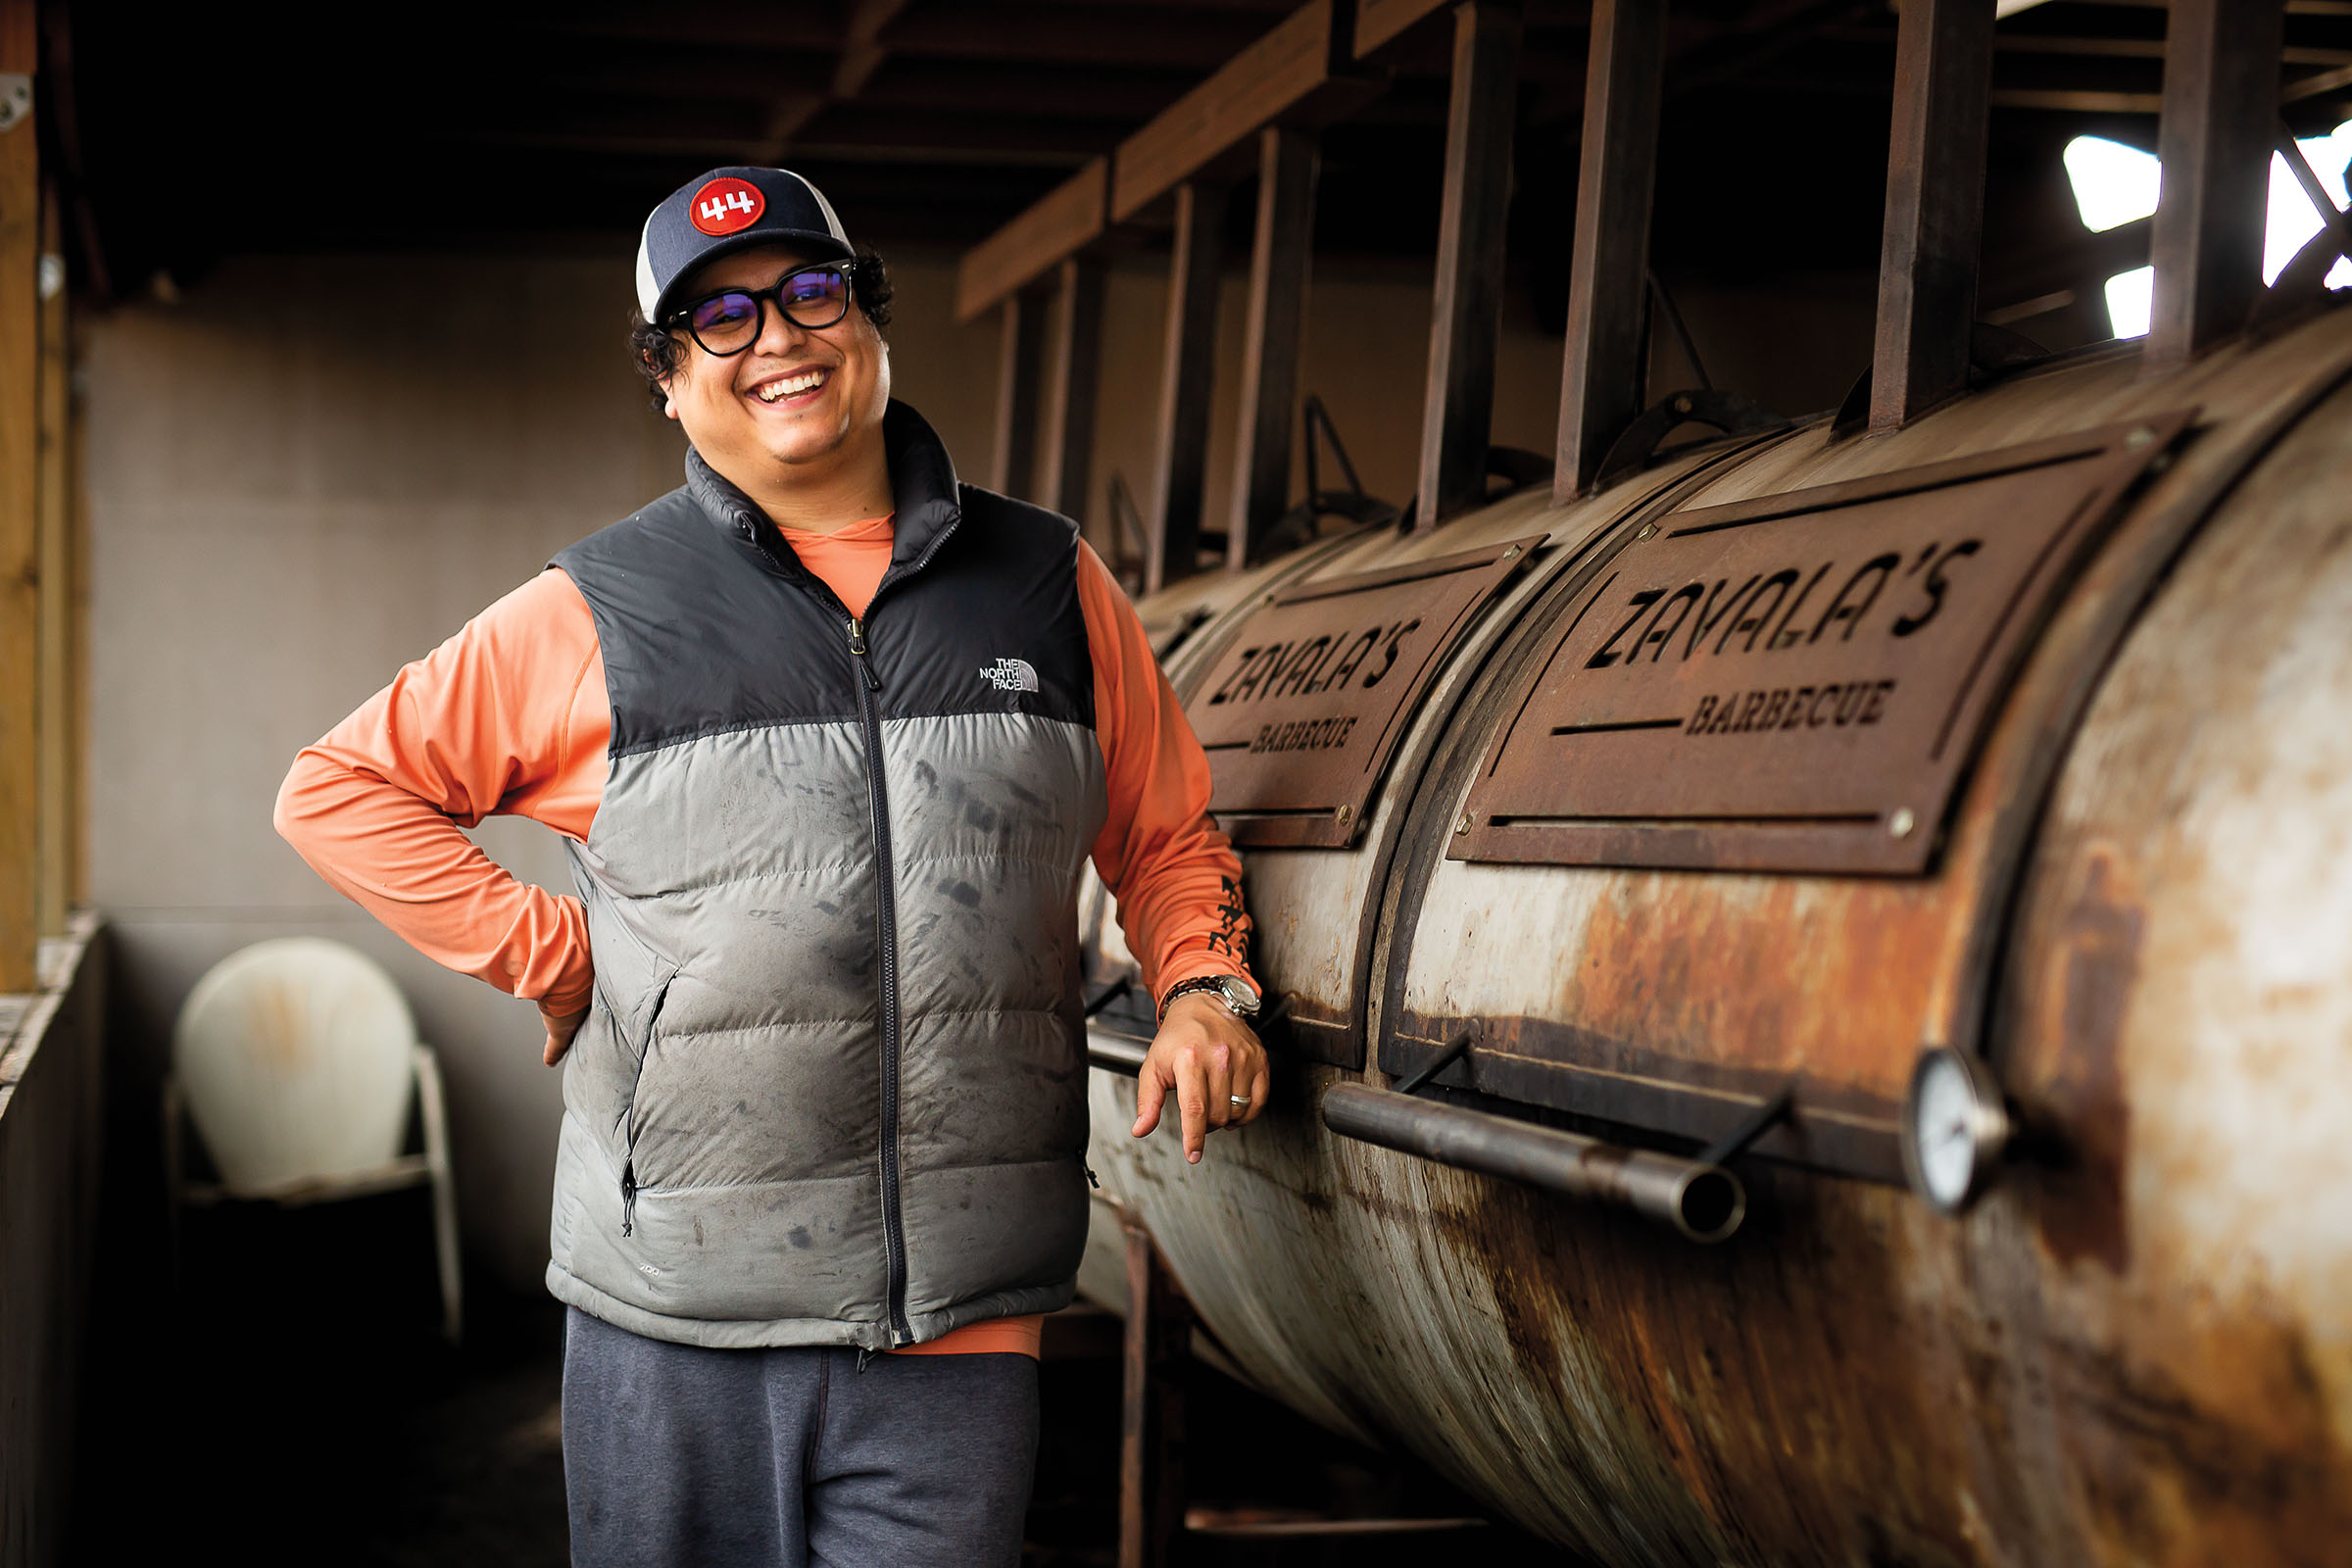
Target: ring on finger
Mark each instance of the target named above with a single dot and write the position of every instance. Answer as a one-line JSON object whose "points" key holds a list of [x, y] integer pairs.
{"points": [[1240, 1102]]}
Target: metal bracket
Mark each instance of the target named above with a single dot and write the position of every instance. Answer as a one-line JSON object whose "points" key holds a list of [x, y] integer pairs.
{"points": [[1753, 1126], [16, 99], [1727, 412], [1456, 1048], [1109, 993]]}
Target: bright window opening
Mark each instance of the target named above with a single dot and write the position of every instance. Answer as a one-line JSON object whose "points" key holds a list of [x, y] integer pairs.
{"points": [[2115, 184], [2131, 301]]}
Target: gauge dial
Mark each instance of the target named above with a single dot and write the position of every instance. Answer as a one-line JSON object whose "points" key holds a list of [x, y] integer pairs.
{"points": [[1954, 1128]]}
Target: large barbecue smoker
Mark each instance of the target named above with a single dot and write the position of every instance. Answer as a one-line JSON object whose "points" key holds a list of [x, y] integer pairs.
{"points": [[1814, 961]]}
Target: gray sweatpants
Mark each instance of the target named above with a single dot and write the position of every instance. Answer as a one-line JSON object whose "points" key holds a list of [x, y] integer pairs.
{"points": [[675, 1455]]}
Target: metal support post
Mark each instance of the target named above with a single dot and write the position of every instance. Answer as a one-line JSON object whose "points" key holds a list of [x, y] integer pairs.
{"points": [[1187, 382], [1013, 471], [2221, 103], [1158, 1347], [1275, 338], [1935, 208], [1466, 319], [1072, 376], [1617, 176]]}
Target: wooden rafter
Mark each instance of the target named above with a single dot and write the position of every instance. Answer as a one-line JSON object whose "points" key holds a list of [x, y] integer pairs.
{"points": [[861, 55], [1058, 224]]}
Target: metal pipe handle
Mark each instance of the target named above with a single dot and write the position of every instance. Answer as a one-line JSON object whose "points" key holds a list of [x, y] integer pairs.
{"points": [[1120, 1053], [1705, 1202]]}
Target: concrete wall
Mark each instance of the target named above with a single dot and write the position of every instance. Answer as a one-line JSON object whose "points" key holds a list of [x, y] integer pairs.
{"points": [[310, 470]]}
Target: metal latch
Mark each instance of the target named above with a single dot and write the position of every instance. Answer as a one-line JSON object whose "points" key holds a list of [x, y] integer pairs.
{"points": [[16, 99]]}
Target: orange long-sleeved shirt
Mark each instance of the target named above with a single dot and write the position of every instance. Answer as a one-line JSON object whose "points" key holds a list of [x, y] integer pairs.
{"points": [[510, 716]]}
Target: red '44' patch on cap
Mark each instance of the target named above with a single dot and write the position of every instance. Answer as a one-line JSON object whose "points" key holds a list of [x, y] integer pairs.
{"points": [[726, 206]]}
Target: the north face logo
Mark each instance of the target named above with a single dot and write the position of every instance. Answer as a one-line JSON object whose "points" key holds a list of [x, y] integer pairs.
{"points": [[727, 205], [1010, 675]]}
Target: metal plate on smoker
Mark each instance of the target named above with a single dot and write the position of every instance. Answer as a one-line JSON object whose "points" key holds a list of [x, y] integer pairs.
{"points": [[1796, 683], [1301, 714]]}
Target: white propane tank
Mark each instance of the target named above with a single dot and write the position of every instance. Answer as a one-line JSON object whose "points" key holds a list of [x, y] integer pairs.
{"points": [[295, 1058]]}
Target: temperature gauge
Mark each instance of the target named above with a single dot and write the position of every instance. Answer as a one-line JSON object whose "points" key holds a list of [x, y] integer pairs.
{"points": [[1954, 1128]]}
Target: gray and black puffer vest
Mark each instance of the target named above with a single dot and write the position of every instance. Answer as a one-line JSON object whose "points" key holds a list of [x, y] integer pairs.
{"points": [[832, 1087]]}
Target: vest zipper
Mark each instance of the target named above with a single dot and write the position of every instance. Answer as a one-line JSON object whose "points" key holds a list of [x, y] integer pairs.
{"points": [[894, 1222], [628, 1157]]}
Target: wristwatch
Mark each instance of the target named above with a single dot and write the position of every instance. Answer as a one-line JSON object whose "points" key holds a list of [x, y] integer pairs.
{"points": [[1236, 994]]}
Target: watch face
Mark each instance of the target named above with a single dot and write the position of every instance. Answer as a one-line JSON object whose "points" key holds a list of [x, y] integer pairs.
{"points": [[1238, 994]]}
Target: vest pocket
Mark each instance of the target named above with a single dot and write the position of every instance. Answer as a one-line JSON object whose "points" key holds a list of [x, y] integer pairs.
{"points": [[628, 1116]]}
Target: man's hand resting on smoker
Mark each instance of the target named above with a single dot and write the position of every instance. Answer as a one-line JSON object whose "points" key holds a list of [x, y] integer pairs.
{"points": [[560, 1027], [1206, 1055]]}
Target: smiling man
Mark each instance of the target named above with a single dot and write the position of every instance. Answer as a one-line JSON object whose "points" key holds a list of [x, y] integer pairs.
{"points": [[830, 738]]}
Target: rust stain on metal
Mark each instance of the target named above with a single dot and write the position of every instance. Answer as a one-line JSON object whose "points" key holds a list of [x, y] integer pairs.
{"points": [[2097, 960], [2138, 1354]]}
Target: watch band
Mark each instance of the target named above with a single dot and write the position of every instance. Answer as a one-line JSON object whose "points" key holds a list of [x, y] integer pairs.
{"points": [[1212, 984]]}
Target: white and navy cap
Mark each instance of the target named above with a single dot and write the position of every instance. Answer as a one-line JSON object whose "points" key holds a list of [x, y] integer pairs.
{"points": [[730, 209]]}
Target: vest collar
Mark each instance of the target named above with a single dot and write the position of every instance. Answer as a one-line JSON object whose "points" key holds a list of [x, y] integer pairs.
{"points": [[923, 492]]}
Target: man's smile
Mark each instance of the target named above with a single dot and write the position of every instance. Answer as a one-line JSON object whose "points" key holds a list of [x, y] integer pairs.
{"points": [[791, 388]]}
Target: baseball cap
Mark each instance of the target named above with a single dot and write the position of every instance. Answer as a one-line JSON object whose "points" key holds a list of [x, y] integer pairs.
{"points": [[727, 209]]}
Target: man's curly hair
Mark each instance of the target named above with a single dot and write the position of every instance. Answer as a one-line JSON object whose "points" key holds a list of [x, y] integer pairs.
{"points": [[659, 351]]}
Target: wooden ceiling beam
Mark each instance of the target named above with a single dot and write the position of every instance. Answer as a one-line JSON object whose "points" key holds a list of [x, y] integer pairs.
{"points": [[1046, 92], [1062, 221], [1381, 22], [757, 76], [860, 52], [874, 125], [740, 24], [1075, 34], [1302, 73]]}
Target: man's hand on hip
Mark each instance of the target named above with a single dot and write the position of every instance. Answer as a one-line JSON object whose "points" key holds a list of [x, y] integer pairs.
{"points": [[560, 1027], [1211, 1060]]}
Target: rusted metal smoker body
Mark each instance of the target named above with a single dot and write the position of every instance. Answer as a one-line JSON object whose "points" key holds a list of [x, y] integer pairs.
{"points": [[1924, 836], [2137, 1346]]}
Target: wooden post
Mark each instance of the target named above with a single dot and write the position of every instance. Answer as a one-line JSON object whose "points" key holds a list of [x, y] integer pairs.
{"points": [[1276, 336], [1935, 208], [2220, 112], [1617, 178], [54, 714], [1014, 470], [1457, 402], [1072, 377], [1187, 368], [1159, 1331], [78, 661], [20, 508]]}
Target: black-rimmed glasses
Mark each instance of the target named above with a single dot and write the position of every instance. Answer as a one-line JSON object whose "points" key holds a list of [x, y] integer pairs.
{"points": [[730, 320]]}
